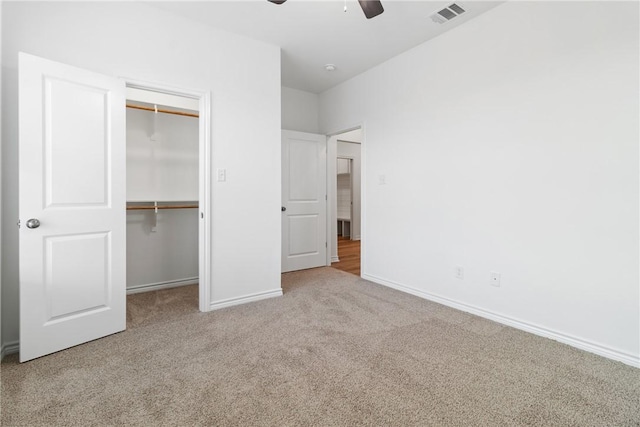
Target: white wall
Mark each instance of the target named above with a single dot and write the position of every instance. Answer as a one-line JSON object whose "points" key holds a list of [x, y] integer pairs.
{"points": [[168, 255], [162, 165], [143, 43], [162, 157], [354, 135], [510, 144], [299, 110]]}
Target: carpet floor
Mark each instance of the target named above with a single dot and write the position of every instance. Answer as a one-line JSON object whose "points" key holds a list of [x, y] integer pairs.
{"points": [[334, 350]]}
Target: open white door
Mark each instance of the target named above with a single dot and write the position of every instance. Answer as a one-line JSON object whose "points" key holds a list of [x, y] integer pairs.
{"points": [[72, 206], [304, 204]]}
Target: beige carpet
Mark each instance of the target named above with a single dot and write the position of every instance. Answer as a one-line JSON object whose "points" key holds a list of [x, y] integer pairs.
{"points": [[334, 350]]}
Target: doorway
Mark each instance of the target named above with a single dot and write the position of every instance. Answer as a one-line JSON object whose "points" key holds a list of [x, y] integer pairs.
{"points": [[162, 249], [72, 198], [183, 100], [346, 201]]}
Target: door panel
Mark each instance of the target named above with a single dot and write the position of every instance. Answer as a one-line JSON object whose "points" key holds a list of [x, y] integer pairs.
{"points": [[75, 114], [304, 198], [72, 179], [76, 274], [303, 171], [303, 236]]}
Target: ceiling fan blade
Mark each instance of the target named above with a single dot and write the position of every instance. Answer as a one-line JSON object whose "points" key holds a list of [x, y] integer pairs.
{"points": [[277, 1], [371, 8]]}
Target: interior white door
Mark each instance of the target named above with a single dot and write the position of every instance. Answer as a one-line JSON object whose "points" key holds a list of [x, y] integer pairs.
{"points": [[72, 206], [304, 204]]}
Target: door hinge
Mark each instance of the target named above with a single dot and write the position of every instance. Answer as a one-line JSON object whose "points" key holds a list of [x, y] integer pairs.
{"points": [[325, 197], [18, 224], [325, 244]]}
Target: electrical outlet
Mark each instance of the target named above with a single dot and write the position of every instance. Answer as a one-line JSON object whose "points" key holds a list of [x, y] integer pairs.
{"points": [[459, 272], [495, 279], [382, 179], [222, 175]]}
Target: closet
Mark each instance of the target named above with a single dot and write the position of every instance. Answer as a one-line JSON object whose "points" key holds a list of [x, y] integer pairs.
{"points": [[162, 191], [344, 196]]}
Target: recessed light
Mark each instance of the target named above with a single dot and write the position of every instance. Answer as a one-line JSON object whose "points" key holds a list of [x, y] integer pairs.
{"points": [[330, 67]]}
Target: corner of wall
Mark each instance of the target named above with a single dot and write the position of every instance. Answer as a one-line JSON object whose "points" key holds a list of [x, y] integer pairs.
{"points": [[299, 110], [9, 348]]}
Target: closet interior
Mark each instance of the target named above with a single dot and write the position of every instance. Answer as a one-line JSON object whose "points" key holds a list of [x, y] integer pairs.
{"points": [[162, 190], [344, 196]]}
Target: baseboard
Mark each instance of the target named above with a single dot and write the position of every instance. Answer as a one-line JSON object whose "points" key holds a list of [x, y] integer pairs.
{"points": [[136, 289], [9, 348], [216, 305], [334, 259], [610, 353], [356, 238]]}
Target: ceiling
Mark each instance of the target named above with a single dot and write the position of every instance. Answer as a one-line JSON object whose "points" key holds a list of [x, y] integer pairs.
{"points": [[314, 33]]}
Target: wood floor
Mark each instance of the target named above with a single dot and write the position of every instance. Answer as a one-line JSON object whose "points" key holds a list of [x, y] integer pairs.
{"points": [[349, 255]]}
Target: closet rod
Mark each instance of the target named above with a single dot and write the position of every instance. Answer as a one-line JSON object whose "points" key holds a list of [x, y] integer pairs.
{"points": [[162, 110], [135, 208]]}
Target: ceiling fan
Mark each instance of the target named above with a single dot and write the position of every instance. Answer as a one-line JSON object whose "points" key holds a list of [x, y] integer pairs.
{"points": [[371, 8]]}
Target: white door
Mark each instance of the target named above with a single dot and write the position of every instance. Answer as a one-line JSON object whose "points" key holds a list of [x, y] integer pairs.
{"points": [[72, 206], [304, 204]]}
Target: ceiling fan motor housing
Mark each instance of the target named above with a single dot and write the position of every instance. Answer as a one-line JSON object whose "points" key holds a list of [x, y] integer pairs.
{"points": [[371, 8]]}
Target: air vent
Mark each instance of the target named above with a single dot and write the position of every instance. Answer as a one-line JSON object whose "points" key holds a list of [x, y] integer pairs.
{"points": [[457, 9], [447, 14]]}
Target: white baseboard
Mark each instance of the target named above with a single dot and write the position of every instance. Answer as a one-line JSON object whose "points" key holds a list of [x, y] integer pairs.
{"points": [[9, 348], [136, 289], [334, 259], [216, 305], [610, 353]]}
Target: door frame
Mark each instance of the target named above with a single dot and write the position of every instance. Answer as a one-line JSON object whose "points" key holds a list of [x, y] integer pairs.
{"points": [[332, 156], [205, 190]]}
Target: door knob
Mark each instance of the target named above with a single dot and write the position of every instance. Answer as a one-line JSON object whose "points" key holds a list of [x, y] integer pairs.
{"points": [[33, 223], [283, 209]]}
